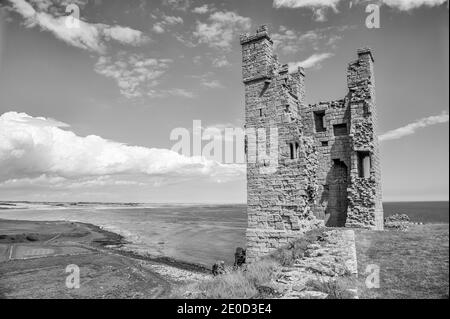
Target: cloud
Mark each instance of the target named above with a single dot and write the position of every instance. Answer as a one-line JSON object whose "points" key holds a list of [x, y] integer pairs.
{"points": [[289, 41], [319, 7], [160, 27], [220, 62], [411, 128], [207, 80], [39, 150], [311, 62], [134, 73], [182, 5], [305, 3], [221, 29], [183, 93], [87, 36], [406, 5], [124, 35], [202, 9], [212, 84]]}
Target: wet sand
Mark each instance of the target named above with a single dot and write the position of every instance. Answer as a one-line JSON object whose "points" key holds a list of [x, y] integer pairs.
{"points": [[34, 257], [198, 234]]}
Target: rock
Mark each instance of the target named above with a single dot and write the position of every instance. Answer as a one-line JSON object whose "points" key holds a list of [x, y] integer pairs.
{"points": [[239, 257], [312, 295], [299, 288], [399, 222], [268, 292], [397, 218], [218, 268]]}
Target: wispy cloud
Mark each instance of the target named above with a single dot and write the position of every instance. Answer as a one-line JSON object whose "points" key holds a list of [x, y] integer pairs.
{"points": [[220, 62], [411, 128], [221, 29], [312, 62], [182, 5], [320, 7], [208, 80], [213, 84], [162, 93], [202, 9], [87, 36], [289, 41], [165, 22], [135, 74], [304, 3], [406, 5]]}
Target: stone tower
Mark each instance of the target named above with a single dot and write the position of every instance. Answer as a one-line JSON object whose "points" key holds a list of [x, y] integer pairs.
{"points": [[307, 166]]}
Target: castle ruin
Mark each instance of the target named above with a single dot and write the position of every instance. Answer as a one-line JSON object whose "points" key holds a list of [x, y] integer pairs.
{"points": [[326, 155]]}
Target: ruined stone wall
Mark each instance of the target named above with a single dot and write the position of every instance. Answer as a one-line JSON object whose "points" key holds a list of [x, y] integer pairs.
{"points": [[302, 161], [280, 189], [365, 194], [334, 159]]}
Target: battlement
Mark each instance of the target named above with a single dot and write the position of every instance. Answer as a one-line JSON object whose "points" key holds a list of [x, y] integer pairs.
{"points": [[261, 33], [326, 155], [365, 51]]}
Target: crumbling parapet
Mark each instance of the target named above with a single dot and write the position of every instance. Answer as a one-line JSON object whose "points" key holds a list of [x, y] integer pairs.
{"points": [[365, 195]]}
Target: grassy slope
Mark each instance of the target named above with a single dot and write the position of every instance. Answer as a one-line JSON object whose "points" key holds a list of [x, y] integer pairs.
{"points": [[413, 264]]}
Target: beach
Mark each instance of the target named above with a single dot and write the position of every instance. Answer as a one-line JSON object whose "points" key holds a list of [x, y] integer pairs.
{"points": [[131, 251], [196, 234], [36, 259]]}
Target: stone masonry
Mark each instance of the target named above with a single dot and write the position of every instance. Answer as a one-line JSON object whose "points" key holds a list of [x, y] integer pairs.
{"points": [[307, 165]]}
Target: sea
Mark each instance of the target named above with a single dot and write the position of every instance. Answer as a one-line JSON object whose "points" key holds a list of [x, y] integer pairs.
{"points": [[197, 234]]}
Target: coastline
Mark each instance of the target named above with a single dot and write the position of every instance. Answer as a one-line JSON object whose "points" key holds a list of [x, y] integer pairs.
{"points": [[39, 251], [115, 246]]}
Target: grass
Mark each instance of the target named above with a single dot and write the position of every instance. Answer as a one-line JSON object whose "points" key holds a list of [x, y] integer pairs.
{"points": [[413, 265], [238, 284], [253, 281]]}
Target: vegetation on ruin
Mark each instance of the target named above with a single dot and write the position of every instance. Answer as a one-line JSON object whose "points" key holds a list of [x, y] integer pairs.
{"points": [[413, 265], [254, 280]]}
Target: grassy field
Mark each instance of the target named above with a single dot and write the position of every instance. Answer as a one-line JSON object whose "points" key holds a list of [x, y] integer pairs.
{"points": [[413, 265]]}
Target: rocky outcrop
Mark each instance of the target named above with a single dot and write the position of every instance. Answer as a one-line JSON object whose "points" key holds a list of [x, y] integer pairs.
{"points": [[398, 222], [328, 260]]}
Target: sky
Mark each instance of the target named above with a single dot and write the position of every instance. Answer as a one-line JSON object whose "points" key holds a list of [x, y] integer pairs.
{"points": [[88, 106]]}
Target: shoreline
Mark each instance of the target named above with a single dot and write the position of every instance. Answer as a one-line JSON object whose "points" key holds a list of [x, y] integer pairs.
{"points": [[115, 241], [34, 256]]}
